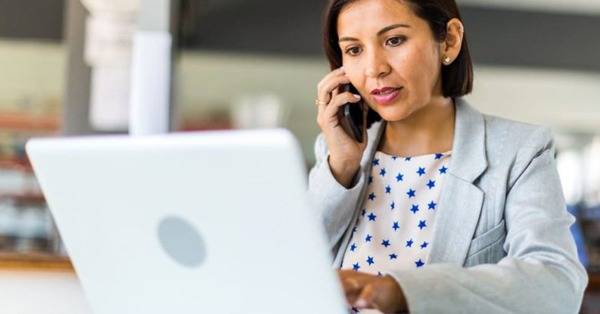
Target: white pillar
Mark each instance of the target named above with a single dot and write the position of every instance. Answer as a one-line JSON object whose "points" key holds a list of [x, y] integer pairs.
{"points": [[151, 69], [108, 43]]}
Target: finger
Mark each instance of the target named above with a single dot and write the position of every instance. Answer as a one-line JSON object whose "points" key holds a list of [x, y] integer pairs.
{"points": [[351, 286], [328, 87], [337, 72], [334, 73], [329, 83], [323, 104], [366, 298], [340, 100]]}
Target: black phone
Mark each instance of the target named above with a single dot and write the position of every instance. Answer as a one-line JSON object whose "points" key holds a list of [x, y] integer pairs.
{"points": [[351, 115]]}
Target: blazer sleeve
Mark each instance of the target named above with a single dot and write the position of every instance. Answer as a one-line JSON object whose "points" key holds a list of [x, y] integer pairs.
{"points": [[333, 203], [541, 272]]}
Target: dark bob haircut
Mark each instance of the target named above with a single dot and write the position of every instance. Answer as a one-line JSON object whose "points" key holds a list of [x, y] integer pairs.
{"points": [[457, 78]]}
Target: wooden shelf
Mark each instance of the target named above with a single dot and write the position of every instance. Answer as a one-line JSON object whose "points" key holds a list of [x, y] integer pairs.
{"points": [[204, 125], [20, 164], [21, 199], [29, 122], [34, 261]]}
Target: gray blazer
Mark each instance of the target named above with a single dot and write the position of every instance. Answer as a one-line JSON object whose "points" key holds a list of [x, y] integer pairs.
{"points": [[501, 241]]}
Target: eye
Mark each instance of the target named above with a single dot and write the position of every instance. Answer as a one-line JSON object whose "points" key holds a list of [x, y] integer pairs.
{"points": [[395, 41], [353, 51]]}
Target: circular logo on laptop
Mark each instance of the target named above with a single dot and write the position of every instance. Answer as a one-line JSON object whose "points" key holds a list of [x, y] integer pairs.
{"points": [[182, 241]]}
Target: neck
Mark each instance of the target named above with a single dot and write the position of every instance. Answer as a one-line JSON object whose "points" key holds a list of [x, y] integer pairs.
{"points": [[428, 130]]}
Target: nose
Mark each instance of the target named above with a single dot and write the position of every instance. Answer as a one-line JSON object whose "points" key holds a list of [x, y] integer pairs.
{"points": [[377, 65]]}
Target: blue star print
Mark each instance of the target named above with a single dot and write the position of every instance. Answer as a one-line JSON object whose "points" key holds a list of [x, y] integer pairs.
{"points": [[414, 208], [372, 217], [419, 263], [399, 177], [372, 245], [432, 205], [431, 184]]}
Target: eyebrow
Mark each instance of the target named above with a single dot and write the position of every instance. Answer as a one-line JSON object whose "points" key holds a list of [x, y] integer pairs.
{"points": [[379, 33]]}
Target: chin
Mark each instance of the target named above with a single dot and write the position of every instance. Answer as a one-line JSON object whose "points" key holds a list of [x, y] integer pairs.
{"points": [[395, 112]]}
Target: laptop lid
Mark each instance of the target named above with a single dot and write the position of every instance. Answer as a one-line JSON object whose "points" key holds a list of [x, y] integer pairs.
{"points": [[204, 222]]}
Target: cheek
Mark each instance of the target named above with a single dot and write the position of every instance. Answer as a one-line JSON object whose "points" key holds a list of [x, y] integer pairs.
{"points": [[421, 71]]}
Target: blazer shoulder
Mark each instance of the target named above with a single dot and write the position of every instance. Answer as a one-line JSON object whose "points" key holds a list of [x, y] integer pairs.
{"points": [[516, 141]]}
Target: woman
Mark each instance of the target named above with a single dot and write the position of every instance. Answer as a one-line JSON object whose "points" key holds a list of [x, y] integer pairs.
{"points": [[442, 209]]}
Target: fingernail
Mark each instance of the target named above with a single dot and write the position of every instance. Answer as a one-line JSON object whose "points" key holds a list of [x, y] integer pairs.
{"points": [[342, 69], [356, 96], [361, 303]]}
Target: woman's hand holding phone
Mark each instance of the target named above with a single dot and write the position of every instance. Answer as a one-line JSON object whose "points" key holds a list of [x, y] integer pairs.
{"points": [[345, 152]]}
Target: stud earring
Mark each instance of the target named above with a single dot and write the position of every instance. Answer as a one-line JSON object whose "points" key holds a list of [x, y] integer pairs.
{"points": [[447, 60]]}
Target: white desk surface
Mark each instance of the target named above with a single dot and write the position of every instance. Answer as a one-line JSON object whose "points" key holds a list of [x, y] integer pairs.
{"points": [[34, 292]]}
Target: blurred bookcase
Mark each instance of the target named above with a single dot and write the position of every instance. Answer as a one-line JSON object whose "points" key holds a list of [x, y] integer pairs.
{"points": [[28, 236]]}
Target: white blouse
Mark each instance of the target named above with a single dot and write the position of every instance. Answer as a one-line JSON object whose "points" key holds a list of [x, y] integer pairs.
{"points": [[395, 228]]}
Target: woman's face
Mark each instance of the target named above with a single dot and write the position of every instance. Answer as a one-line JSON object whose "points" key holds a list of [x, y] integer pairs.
{"points": [[390, 55]]}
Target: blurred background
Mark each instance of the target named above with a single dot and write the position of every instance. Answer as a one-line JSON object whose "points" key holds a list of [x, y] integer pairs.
{"points": [[65, 68]]}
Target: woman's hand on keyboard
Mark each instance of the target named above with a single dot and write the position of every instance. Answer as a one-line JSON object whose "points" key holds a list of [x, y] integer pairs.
{"points": [[366, 291]]}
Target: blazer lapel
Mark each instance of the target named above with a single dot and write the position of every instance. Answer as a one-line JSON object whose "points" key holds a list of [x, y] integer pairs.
{"points": [[374, 134], [460, 200]]}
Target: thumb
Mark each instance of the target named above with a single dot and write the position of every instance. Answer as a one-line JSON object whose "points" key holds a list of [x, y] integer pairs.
{"points": [[366, 298]]}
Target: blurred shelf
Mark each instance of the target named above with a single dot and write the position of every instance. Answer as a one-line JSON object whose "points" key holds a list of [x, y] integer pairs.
{"points": [[22, 199], [34, 261], [19, 164], [204, 125], [29, 122]]}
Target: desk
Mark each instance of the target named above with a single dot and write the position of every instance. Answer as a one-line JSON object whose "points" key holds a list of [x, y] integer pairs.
{"points": [[40, 284]]}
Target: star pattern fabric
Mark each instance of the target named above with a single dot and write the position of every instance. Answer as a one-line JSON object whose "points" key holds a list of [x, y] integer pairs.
{"points": [[395, 228]]}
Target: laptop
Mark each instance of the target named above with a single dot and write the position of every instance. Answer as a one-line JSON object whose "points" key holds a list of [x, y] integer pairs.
{"points": [[202, 222]]}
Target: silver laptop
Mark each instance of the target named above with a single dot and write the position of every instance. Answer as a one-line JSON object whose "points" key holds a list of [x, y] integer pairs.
{"points": [[207, 222]]}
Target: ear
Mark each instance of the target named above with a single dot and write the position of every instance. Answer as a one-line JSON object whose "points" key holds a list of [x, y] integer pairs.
{"points": [[450, 46]]}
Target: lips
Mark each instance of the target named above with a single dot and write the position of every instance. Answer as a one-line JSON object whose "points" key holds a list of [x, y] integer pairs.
{"points": [[385, 95], [384, 90]]}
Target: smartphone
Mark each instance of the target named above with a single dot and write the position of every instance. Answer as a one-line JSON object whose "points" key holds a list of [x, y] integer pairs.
{"points": [[351, 115]]}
